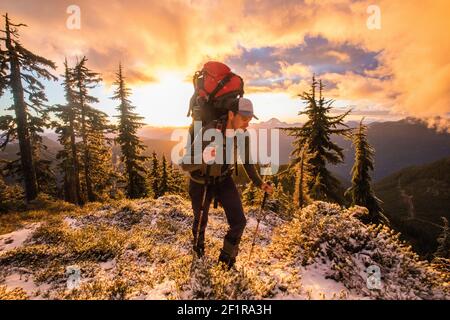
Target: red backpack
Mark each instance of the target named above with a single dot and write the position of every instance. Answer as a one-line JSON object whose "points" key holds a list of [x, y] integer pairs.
{"points": [[216, 88]]}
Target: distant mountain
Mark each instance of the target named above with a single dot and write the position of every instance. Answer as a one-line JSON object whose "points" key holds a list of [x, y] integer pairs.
{"points": [[415, 199], [11, 150], [397, 144], [161, 147], [274, 123]]}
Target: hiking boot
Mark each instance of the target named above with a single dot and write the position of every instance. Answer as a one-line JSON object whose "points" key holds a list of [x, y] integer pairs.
{"points": [[226, 259], [199, 250]]}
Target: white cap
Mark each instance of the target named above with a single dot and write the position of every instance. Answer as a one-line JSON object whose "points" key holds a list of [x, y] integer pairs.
{"points": [[245, 108]]}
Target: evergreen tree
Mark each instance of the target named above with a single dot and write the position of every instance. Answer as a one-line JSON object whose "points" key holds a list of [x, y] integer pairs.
{"points": [[3, 70], [176, 181], [155, 175], [67, 127], [99, 148], [316, 133], [45, 176], [280, 202], [94, 146], [118, 182], [130, 145], [302, 171], [11, 197], [361, 191], [443, 250], [163, 186], [23, 65], [250, 195]]}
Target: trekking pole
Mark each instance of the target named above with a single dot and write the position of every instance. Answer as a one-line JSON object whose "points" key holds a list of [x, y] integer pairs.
{"points": [[257, 224], [202, 208]]}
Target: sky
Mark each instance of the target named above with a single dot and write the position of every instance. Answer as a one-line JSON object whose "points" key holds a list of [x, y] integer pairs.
{"points": [[384, 59]]}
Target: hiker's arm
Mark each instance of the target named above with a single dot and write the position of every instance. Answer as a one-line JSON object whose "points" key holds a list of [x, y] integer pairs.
{"points": [[252, 173]]}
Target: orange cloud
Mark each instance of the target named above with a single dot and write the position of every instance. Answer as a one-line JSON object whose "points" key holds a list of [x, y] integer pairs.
{"points": [[148, 36]]}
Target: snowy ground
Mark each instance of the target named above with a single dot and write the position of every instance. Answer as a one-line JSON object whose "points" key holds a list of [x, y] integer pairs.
{"points": [[141, 250], [16, 239]]}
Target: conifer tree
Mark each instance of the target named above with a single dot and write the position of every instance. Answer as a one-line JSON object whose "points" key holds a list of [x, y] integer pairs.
{"points": [[155, 175], [11, 197], [443, 250], [67, 127], [163, 186], [130, 145], [361, 192], [94, 146], [99, 148], [45, 176], [176, 181], [3, 70], [280, 202], [250, 195], [24, 67], [302, 171], [316, 133]]}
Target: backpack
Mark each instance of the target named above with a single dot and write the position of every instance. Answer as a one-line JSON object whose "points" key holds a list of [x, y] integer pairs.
{"points": [[216, 90]]}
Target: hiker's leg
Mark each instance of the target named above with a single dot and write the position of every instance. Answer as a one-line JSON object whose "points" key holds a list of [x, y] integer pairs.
{"points": [[232, 205], [196, 194]]}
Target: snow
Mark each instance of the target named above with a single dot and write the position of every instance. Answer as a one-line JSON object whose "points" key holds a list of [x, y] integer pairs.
{"points": [[108, 265], [25, 281], [71, 222], [314, 280], [282, 268], [16, 238], [252, 222], [159, 292]]}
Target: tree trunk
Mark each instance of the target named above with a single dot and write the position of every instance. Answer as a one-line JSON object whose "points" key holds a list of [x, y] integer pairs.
{"points": [[26, 157], [86, 160], [76, 167], [300, 190], [87, 176]]}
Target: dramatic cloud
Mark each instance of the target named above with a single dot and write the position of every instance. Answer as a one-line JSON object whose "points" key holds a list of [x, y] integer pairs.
{"points": [[277, 45]]}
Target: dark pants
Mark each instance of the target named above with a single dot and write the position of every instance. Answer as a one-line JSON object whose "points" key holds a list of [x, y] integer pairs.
{"points": [[229, 197]]}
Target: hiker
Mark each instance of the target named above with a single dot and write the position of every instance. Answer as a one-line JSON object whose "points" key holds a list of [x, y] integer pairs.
{"points": [[221, 187]]}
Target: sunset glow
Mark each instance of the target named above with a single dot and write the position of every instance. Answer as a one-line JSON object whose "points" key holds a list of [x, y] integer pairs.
{"points": [[386, 65], [165, 102]]}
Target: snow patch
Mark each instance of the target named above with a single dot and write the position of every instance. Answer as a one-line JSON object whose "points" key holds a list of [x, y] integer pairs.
{"points": [[16, 238], [159, 292], [26, 282], [315, 282], [108, 265], [72, 223]]}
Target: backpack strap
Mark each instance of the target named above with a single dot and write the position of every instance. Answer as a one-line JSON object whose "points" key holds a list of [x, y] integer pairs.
{"points": [[219, 87]]}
